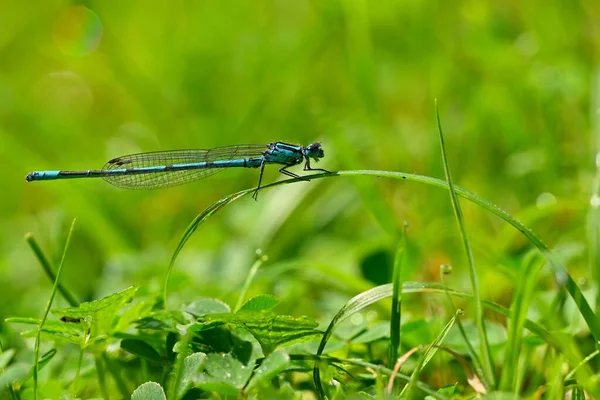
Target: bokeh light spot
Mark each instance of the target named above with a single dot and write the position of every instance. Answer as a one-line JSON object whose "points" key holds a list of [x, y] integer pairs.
{"points": [[77, 31]]}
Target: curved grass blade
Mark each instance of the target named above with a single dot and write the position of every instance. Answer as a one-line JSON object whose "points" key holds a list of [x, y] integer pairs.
{"points": [[333, 361], [375, 294], [47, 310], [353, 305], [560, 273]]}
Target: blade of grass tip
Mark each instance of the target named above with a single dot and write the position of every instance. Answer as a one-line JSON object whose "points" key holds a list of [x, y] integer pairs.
{"points": [[260, 259], [446, 269], [396, 313], [488, 362], [561, 275], [48, 269], [409, 389], [47, 310]]}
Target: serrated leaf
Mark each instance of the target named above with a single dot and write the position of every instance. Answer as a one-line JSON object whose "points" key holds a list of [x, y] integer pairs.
{"points": [[101, 311], [271, 330], [189, 373], [202, 307], [141, 349], [149, 391], [53, 330], [262, 302], [271, 366]]}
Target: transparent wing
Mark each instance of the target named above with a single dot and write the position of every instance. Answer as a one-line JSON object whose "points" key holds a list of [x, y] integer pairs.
{"points": [[161, 179]]}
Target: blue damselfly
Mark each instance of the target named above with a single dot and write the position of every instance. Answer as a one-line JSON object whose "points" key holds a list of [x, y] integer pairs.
{"points": [[162, 169]]}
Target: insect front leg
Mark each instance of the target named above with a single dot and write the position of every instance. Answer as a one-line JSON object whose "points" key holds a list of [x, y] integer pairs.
{"points": [[307, 167], [284, 170]]}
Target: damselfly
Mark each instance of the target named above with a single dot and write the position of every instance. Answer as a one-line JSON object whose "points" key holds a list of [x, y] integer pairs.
{"points": [[162, 169]]}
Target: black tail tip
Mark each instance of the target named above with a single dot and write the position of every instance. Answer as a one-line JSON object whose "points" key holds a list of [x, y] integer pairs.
{"points": [[29, 177]]}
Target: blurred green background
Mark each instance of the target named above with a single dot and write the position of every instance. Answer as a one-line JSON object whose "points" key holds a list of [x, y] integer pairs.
{"points": [[83, 83]]}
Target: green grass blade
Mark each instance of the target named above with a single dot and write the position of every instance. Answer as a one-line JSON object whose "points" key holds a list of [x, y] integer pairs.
{"points": [[486, 355], [560, 273], [410, 389], [47, 310], [39, 254], [213, 208], [524, 289], [471, 350], [396, 313], [556, 340], [251, 274], [354, 305], [369, 366]]}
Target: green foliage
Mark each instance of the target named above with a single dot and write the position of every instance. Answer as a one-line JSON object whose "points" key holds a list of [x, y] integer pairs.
{"points": [[149, 391]]}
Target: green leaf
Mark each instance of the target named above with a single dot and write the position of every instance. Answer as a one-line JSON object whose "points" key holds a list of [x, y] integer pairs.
{"points": [[163, 320], [54, 330], [223, 388], [379, 330], [271, 330], [14, 373], [217, 337], [262, 302], [189, 372], [225, 369], [141, 349], [45, 358], [5, 357], [202, 307], [101, 311], [560, 272], [496, 336], [149, 391], [448, 389], [271, 366], [410, 389]]}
